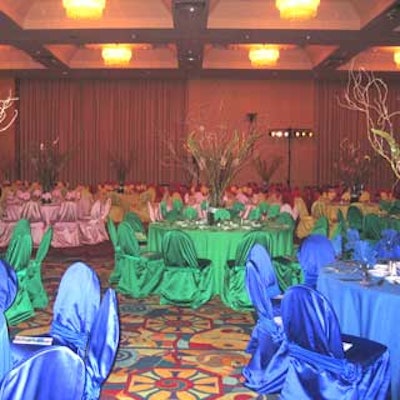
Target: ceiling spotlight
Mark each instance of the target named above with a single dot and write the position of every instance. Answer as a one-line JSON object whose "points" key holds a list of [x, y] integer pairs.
{"points": [[263, 55], [84, 9], [297, 9], [116, 54]]}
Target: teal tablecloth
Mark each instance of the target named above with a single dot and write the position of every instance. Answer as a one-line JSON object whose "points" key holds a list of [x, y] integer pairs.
{"points": [[369, 312], [219, 245]]}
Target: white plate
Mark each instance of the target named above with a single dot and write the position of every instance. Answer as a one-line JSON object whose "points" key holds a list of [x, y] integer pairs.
{"points": [[379, 273], [393, 279]]}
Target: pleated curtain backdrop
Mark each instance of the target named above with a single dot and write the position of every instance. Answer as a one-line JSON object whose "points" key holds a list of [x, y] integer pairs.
{"points": [[334, 123], [97, 119]]}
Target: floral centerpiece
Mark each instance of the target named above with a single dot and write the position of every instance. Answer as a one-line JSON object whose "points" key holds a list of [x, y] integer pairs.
{"points": [[48, 161], [353, 167], [121, 168], [220, 155]]}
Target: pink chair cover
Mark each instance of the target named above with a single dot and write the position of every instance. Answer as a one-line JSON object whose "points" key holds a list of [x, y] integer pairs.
{"points": [[13, 212], [152, 213], [31, 211], [6, 228], [66, 230], [93, 230]]}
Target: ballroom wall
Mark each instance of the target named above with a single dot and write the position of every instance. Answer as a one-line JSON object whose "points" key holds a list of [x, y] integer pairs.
{"points": [[97, 120]]}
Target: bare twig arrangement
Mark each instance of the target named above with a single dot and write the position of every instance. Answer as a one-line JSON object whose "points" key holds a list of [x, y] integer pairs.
{"points": [[368, 94], [5, 118]]}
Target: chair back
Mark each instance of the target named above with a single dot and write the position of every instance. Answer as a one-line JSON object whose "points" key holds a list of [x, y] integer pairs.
{"points": [[44, 245], [103, 345], [75, 307], [246, 244], [178, 249], [54, 373], [310, 321], [315, 252], [355, 218], [321, 226], [135, 222], [127, 240], [261, 260]]}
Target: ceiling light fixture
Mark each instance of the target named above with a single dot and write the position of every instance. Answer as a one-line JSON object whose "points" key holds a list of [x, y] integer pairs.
{"points": [[263, 55], [84, 9], [116, 54], [297, 9], [396, 58]]}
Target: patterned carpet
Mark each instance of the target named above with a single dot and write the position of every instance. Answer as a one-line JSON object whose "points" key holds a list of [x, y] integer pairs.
{"points": [[165, 352]]}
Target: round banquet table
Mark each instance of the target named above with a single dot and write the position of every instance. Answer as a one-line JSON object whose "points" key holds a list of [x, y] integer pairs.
{"points": [[219, 245], [369, 312]]}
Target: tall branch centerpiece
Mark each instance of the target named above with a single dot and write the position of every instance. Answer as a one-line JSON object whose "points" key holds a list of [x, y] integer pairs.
{"points": [[220, 154], [368, 94]]}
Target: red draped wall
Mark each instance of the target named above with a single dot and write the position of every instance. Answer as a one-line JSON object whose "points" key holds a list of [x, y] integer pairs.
{"points": [[335, 122], [96, 119], [140, 119]]}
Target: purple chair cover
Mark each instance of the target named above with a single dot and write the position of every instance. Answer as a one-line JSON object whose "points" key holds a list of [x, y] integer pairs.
{"points": [[315, 252], [103, 345], [54, 373], [319, 367], [266, 370], [8, 291]]}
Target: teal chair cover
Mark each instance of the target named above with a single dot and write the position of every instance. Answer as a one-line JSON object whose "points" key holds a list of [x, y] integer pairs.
{"points": [[236, 209], [34, 283], [169, 215], [116, 272], [135, 222], [355, 218], [140, 272], [273, 210], [255, 214], [373, 227], [235, 294], [385, 205], [321, 226], [187, 280], [263, 206], [18, 256], [285, 218], [190, 214], [222, 214]]}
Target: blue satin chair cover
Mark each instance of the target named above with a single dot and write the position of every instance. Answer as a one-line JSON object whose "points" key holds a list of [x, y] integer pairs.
{"points": [[103, 345], [388, 246], [319, 367], [8, 291], [266, 370], [74, 311], [365, 253], [315, 252], [54, 372]]}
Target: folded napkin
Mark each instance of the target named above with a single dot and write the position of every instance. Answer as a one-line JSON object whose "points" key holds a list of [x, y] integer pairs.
{"points": [[365, 253], [388, 246]]}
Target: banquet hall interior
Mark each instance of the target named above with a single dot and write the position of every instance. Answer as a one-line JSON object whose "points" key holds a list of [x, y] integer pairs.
{"points": [[152, 146]]}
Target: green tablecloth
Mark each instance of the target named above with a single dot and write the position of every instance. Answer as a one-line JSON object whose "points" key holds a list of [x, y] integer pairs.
{"points": [[219, 245]]}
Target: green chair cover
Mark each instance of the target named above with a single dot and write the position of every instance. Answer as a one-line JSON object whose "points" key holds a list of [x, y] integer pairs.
{"points": [[255, 214], [321, 226], [18, 256], [385, 205], [355, 218], [137, 225], [285, 218], [177, 205], [235, 294], [288, 272], [140, 272], [169, 215], [34, 283], [187, 280], [263, 206], [222, 214], [395, 207], [190, 213], [373, 226], [134, 220], [116, 272], [273, 210]]}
